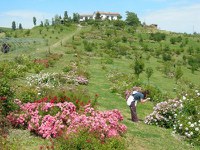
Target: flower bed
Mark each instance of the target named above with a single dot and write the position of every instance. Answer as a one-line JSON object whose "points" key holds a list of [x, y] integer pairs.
{"points": [[52, 119]]}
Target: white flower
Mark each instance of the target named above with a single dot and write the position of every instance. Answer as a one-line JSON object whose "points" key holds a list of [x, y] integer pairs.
{"points": [[196, 129], [189, 123], [198, 94], [184, 98], [186, 129], [196, 91], [180, 125], [191, 133], [192, 125]]}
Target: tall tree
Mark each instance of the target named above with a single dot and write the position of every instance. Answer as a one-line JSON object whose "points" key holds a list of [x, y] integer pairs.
{"points": [[57, 19], [13, 25], [65, 18], [132, 19], [41, 24], [46, 22], [34, 21], [76, 17], [20, 26]]}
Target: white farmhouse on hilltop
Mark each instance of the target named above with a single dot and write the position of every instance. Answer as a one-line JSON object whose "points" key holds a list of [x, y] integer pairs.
{"points": [[103, 15]]}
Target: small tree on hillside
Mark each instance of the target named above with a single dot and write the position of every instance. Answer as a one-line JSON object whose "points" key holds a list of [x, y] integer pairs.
{"points": [[65, 18], [149, 72], [20, 26], [98, 16], [178, 74], [138, 65], [13, 25], [76, 17], [34, 21], [41, 24], [132, 19]]}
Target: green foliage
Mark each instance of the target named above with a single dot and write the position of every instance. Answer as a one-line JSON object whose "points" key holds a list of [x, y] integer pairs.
{"points": [[138, 65], [157, 36], [88, 46], [132, 19], [174, 40], [34, 21], [6, 95], [149, 72], [178, 73], [13, 25], [88, 141]]}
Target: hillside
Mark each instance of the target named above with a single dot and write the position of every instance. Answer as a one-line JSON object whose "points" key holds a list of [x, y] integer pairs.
{"points": [[105, 54]]}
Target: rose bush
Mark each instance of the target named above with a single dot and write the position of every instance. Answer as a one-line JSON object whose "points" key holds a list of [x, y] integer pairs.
{"points": [[39, 118]]}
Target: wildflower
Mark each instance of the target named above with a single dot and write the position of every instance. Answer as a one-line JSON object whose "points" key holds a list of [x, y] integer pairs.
{"points": [[186, 129], [192, 125], [196, 129]]}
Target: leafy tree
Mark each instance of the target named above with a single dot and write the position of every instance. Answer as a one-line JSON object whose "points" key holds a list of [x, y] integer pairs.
{"points": [[119, 17], [57, 20], [52, 22], [132, 19], [13, 25], [98, 16], [41, 24], [34, 21], [65, 18], [178, 73], [20, 26], [76, 17], [46, 22], [149, 72], [138, 65]]}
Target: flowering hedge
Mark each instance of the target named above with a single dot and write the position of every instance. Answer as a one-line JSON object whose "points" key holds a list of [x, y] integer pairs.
{"points": [[164, 113], [182, 114], [51, 119]]}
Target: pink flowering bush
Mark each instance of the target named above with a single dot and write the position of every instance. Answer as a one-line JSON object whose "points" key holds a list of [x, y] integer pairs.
{"points": [[52, 119], [81, 80]]}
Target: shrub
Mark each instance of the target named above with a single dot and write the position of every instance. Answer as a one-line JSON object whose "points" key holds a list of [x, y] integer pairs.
{"points": [[157, 36], [6, 95], [181, 114], [87, 141], [49, 120]]}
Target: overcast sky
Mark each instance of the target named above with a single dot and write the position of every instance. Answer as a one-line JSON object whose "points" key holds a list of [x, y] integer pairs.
{"points": [[173, 15]]}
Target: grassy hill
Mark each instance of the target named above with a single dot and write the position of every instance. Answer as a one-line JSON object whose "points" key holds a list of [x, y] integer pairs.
{"points": [[105, 53]]}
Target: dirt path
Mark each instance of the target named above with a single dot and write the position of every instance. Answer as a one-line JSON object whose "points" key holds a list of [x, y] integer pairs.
{"points": [[57, 44]]}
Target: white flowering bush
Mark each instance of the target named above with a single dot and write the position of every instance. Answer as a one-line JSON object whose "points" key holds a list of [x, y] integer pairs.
{"points": [[188, 120], [51, 80], [164, 113], [44, 80], [182, 114]]}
